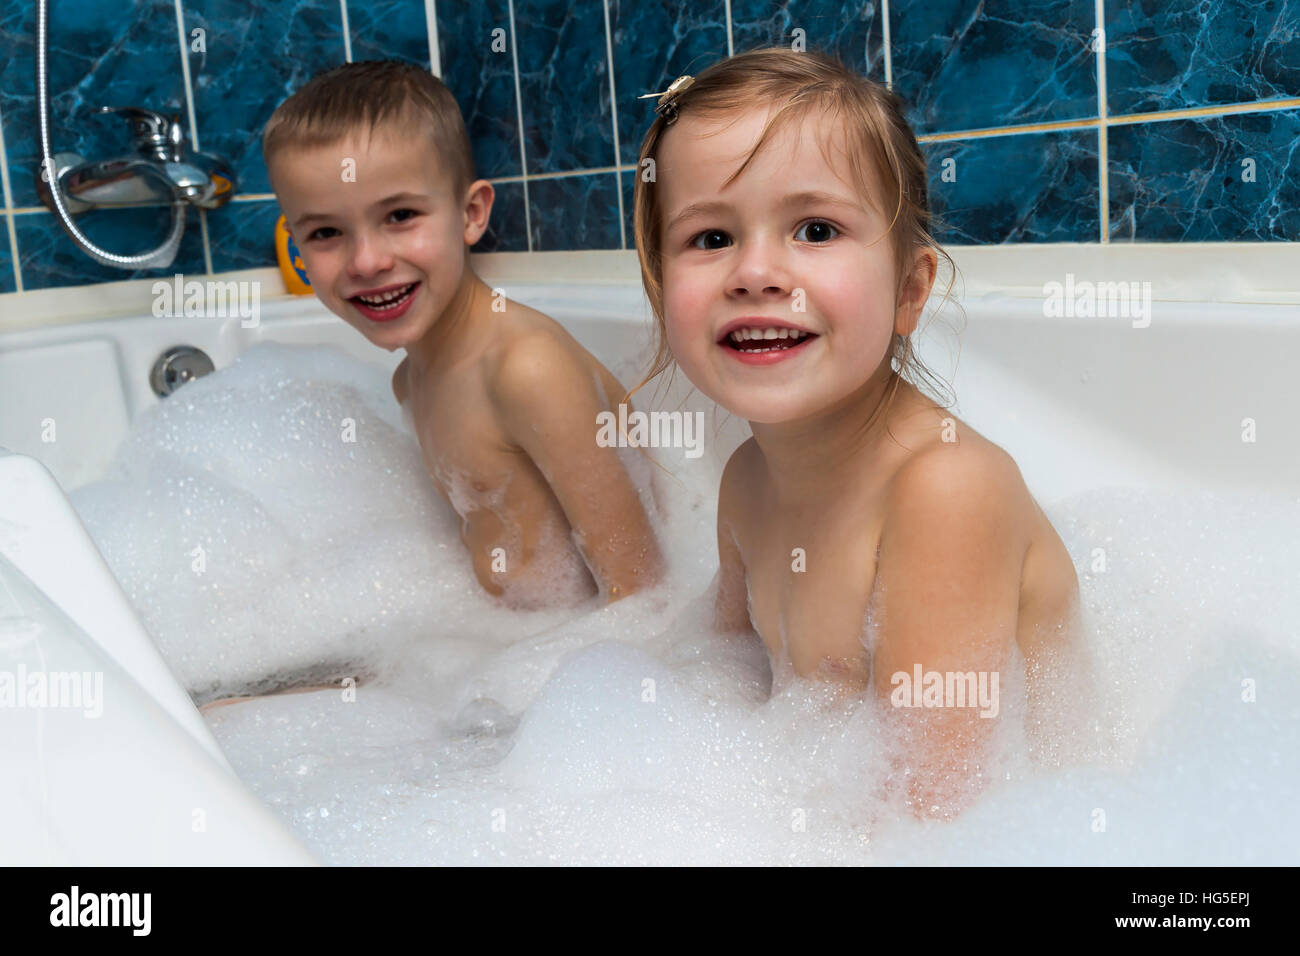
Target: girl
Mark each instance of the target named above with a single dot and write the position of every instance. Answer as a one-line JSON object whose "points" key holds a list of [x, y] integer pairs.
{"points": [[867, 535]]}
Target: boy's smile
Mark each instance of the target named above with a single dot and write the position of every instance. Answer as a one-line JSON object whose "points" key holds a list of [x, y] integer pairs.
{"points": [[778, 286], [382, 236]]}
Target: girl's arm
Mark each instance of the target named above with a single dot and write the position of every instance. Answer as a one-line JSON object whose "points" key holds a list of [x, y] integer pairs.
{"points": [[948, 595]]}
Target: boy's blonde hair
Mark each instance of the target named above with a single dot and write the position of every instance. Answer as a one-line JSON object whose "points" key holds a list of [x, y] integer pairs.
{"points": [[364, 95], [873, 118]]}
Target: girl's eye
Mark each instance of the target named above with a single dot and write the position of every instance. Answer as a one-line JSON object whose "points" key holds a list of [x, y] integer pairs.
{"points": [[710, 234], [317, 233], [823, 229]]}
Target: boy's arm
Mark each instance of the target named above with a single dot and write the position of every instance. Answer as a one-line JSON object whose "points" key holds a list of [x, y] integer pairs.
{"points": [[547, 401], [947, 600], [731, 601]]}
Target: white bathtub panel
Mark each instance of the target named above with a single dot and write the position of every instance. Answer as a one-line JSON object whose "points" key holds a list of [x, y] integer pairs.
{"points": [[69, 392]]}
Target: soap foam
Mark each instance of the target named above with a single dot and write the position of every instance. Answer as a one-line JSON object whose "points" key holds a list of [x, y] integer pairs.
{"points": [[629, 733]]}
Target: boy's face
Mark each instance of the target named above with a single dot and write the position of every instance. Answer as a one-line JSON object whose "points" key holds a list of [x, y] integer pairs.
{"points": [[769, 256], [377, 216]]}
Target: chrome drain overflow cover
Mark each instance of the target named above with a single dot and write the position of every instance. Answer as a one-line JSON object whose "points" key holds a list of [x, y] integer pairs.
{"points": [[178, 365]]}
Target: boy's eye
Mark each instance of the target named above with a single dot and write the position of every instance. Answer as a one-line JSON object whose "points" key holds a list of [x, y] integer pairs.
{"points": [[711, 234], [398, 212], [317, 233], [822, 235]]}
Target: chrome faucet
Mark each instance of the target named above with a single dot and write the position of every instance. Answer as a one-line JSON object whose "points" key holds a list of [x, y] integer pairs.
{"points": [[160, 171]]}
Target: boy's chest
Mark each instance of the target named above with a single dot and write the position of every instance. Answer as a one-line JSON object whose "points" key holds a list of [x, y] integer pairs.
{"points": [[464, 449], [810, 583]]}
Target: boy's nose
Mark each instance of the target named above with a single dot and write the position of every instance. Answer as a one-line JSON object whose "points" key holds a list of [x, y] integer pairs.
{"points": [[370, 256]]}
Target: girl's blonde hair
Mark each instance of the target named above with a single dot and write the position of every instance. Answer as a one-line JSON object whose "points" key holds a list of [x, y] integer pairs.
{"points": [[871, 115]]}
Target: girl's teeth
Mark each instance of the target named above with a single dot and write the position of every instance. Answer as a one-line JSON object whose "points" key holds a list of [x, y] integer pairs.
{"points": [[743, 335]]}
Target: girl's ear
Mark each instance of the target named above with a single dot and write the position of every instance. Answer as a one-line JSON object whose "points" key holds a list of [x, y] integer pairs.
{"points": [[916, 290]]}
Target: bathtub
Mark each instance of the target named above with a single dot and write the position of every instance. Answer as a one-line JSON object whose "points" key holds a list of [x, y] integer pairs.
{"points": [[1201, 398]]}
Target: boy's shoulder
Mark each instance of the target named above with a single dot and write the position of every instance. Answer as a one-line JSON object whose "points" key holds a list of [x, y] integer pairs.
{"points": [[539, 366], [534, 351]]}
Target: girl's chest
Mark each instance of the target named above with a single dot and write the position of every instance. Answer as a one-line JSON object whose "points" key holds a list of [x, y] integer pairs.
{"points": [[810, 583]]}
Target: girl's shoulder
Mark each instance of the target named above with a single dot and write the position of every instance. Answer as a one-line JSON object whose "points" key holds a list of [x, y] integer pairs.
{"points": [[953, 469]]}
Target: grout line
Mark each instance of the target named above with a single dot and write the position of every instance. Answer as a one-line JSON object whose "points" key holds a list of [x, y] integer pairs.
{"points": [[613, 107], [1007, 130], [1191, 112], [188, 82], [9, 209], [347, 32], [731, 47], [495, 180], [1126, 119], [431, 21], [886, 39], [1103, 142], [519, 112]]}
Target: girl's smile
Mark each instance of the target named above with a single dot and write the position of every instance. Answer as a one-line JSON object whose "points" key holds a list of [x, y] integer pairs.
{"points": [[756, 341]]}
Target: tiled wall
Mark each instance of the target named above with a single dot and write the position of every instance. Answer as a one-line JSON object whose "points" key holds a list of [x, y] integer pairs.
{"points": [[1047, 146]]}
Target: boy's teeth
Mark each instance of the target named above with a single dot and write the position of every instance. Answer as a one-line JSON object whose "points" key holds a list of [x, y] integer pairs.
{"points": [[386, 297]]}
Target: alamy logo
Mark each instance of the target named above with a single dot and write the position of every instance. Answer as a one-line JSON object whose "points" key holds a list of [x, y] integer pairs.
{"points": [[651, 430], [46, 689], [946, 689], [102, 909], [1115, 300], [211, 299]]}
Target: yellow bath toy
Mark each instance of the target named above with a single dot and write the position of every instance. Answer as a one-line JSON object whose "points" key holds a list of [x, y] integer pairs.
{"points": [[291, 264]]}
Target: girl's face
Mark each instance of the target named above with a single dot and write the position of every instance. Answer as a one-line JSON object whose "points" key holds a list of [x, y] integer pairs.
{"points": [[779, 288]]}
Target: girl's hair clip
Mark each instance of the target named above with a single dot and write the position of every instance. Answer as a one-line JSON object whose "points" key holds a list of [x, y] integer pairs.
{"points": [[667, 107]]}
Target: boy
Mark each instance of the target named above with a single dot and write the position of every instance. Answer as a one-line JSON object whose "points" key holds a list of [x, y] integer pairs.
{"points": [[372, 168]]}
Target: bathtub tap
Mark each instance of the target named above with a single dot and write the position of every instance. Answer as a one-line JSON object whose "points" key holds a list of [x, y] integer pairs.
{"points": [[160, 170]]}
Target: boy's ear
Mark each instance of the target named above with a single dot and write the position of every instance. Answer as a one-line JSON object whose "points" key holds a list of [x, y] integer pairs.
{"points": [[478, 209]]}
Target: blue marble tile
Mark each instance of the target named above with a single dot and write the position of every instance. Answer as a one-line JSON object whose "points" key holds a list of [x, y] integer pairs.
{"points": [[627, 183], [1028, 187], [389, 30], [478, 68], [505, 232], [7, 283], [977, 64], [653, 44], [48, 257], [241, 235], [850, 29], [123, 54], [1220, 179], [564, 85], [258, 52], [1162, 56], [574, 212]]}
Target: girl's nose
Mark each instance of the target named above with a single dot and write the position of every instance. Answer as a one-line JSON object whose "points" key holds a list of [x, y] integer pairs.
{"points": [[760, 268]]}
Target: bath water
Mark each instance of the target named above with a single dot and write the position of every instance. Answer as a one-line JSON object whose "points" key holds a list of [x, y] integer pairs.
{"points": [[263, 550]]}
